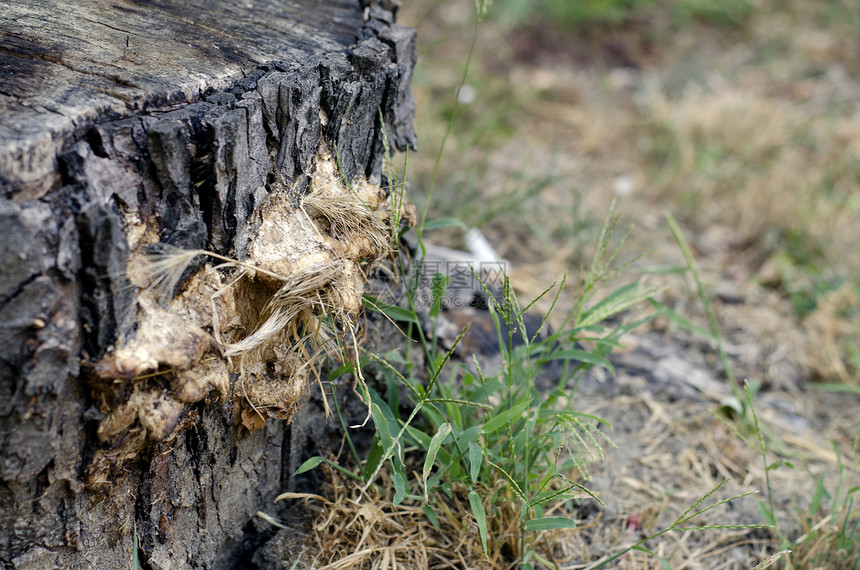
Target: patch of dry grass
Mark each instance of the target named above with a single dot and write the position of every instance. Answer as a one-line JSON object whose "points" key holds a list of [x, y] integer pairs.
{"points": [[366, 531]]}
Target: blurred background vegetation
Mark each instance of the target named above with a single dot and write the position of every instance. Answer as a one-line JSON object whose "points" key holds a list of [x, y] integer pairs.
{"points": [[741, 117]]}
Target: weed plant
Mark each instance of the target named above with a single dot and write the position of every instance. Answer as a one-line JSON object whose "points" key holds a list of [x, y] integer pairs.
{"points": [[495, 445], [831, 522]]}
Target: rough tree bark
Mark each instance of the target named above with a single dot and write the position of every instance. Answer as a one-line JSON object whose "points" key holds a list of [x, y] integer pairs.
{"points": [[128, 124]]}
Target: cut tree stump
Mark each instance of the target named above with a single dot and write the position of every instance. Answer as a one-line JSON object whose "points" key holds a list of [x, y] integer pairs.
{"points": [[135, 425]]}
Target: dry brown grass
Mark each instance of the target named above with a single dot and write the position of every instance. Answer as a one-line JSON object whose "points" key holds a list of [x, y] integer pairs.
{"points": [[366, 531]]}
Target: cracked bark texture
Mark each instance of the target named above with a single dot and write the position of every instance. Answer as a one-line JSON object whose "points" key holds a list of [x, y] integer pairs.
{"points": [[184, 114]]}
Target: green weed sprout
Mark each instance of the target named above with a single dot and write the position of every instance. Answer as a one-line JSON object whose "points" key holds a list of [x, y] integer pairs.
{"points": [[507, 450], [831, 522], [679, 525]]}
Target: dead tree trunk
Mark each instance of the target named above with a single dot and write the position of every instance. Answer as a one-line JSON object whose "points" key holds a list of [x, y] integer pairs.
{"points": [[130, 126]]}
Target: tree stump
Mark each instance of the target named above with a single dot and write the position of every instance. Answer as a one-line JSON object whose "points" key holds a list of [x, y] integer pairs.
{"points": [[133, 420]]}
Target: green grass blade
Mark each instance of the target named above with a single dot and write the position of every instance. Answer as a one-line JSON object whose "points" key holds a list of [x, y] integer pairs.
{"points": [[771, 506], [421, 438], [766, 515], [703, 295], [659, 558], [399, 481], [435, 443], [686, 514], [391, 311], [444, 223], [442, 360], [817, 495], [836, 387], [617, 304], [549, 523], [514, 485], [480, 517], [311, 463], [135, 546], [459, 402], [439, 287], [476, 458], [431, 514], [498, 421]]}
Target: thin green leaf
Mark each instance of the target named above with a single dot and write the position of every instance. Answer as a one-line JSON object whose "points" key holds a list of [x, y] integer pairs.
{"points": [[443, 359], [613, 297], [467, 436], [511, 482], [343, 470], [430, 459], [387, 428], [341, 370], [135, 547], [476, 458], [549, 523], [444, 223], [382, 429], [498, 421], [419, 436], [617, 302], [480, 517], [664, 270], [391, 311], [439, 289], [706, 302], [660, 559], [836, 387], [374, 456], [431, 514], [460, 402], [399, 481], [311, 463]]}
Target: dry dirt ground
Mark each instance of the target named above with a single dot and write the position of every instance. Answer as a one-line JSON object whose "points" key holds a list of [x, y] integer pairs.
{"points": [[747, 129]]}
